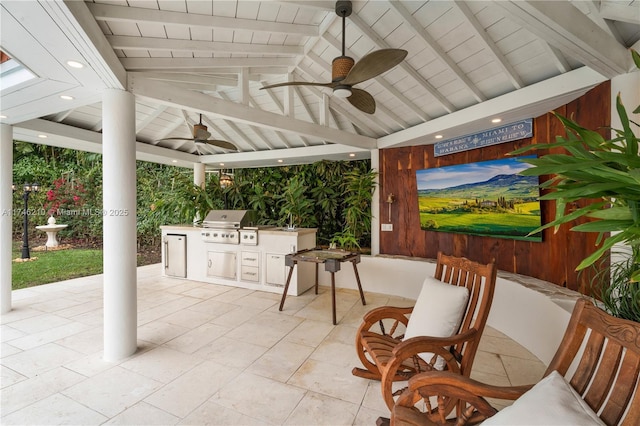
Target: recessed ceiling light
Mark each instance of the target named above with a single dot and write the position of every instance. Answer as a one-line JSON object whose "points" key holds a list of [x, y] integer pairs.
{"points": [[42, 136], [438, 136], [3, 116], [352, 155], [174, 161], [75, 64], [496, 120], [280, 161], [66, 97], [222, 164]]}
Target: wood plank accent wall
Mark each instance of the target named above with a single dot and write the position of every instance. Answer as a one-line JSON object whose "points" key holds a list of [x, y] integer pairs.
{"points": [[554, 259]]}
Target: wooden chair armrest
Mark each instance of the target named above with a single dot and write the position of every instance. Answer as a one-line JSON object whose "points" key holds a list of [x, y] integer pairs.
{"points": [[439, 345], [387, 312], [439, 390], [446, 383]]}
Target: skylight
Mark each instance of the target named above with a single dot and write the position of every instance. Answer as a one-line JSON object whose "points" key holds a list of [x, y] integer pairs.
{"points": [[12, 73]]}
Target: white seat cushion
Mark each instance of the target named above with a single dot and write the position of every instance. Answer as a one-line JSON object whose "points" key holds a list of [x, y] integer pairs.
{"points": [[437, 313], [552, 401]]}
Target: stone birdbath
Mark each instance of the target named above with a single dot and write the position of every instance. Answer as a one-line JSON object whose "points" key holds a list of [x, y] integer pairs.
{"points": [[51, 228]]}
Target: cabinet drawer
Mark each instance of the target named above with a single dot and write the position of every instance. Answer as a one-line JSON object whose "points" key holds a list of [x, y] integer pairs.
{"points": [[250, 258], [249, 273]]}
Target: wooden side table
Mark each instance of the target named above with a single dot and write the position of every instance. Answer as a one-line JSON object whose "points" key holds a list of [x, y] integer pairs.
{"points": [[332, 259]]}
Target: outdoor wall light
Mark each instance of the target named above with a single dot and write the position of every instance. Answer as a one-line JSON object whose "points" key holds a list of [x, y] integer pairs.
{"points": [[28, 188], [390, 199]]}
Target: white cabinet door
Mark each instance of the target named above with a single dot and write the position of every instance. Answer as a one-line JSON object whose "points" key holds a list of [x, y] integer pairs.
{"points": [[222, 264], [276, 269]]}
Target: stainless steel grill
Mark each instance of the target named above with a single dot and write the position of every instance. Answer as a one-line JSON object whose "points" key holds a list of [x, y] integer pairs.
{"points": [[223, 226], [230, 219]]}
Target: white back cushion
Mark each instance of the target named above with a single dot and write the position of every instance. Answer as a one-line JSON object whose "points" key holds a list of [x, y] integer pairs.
{"points": [[552, 401], [437, 313]]}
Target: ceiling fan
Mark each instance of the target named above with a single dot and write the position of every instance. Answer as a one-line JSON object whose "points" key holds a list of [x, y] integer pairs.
{"points": [[345, 73], [201, 137]]}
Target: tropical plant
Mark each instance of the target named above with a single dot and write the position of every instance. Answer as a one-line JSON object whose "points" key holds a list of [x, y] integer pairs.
{"points": [[184, 203], [613, 286], [607, 172], [359, 187], [296, 209]]}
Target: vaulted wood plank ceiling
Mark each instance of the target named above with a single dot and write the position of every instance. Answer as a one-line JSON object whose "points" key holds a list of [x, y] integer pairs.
{"points": [[467, 62]]}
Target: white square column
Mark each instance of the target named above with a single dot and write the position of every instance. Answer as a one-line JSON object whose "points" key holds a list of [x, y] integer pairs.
{"points": [[119, 227], [6, 210]]}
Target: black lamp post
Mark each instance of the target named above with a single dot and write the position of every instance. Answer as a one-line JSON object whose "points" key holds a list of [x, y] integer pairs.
{"points": [[225, 182], [28, 188]]}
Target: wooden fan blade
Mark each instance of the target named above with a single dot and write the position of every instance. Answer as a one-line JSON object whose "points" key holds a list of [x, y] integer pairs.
{"points": [[298, 83], [374, 64], [176, 139], [362, 100], [221, 144]]}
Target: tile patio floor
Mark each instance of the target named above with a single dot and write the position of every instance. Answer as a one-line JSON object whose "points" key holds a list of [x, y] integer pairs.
{"points": [[208, 354]]}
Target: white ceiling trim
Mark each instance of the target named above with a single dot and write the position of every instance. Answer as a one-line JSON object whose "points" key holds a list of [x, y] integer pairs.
{"points": [[528, 102], [206, 63], [620, 11], [64, 136], [96, 48], [222, 80], [302, 155], [167, 94], [156, 43]]}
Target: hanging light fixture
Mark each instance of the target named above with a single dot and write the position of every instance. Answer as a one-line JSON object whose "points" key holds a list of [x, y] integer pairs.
{"points": [[225, 180]]}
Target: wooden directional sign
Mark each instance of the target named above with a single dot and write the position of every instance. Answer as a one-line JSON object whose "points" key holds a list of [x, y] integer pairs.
{"points": [[507, 133]]}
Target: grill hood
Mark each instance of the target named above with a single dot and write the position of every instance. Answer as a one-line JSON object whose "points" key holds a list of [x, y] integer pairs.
{"points": [[231, 219]]}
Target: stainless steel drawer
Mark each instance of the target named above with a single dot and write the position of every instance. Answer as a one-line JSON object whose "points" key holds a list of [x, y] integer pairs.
{"points": [[250, 258], [249, 273]]}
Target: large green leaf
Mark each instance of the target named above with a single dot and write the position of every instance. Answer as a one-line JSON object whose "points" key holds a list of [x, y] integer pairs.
{"points": [[606, 246], [603, 226], [613, 213], [594, 190]]}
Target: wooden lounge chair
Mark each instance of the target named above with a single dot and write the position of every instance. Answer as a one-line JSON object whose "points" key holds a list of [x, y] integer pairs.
{"points": [[594, 374], [405, 345]]}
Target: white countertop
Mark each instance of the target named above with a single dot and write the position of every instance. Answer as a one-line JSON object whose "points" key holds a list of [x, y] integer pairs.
{"points": [[272, 231]]}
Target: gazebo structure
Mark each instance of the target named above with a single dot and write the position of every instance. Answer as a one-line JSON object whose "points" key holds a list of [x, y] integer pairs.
{"points": [[120, 79]]}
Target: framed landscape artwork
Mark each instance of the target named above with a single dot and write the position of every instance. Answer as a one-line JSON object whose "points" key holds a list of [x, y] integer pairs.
{"points": [[487, 198]]}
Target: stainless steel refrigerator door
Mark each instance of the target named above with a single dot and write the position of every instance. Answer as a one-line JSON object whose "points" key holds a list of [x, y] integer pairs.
{"points": [[175, 255]]}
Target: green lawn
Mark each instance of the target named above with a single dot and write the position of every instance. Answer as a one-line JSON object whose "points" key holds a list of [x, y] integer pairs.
{"points": [[52, 266]]}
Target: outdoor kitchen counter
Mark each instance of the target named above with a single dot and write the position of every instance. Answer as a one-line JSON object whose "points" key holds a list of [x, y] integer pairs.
{"points": [[181, 227], [256, 262], [285, 231]]}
